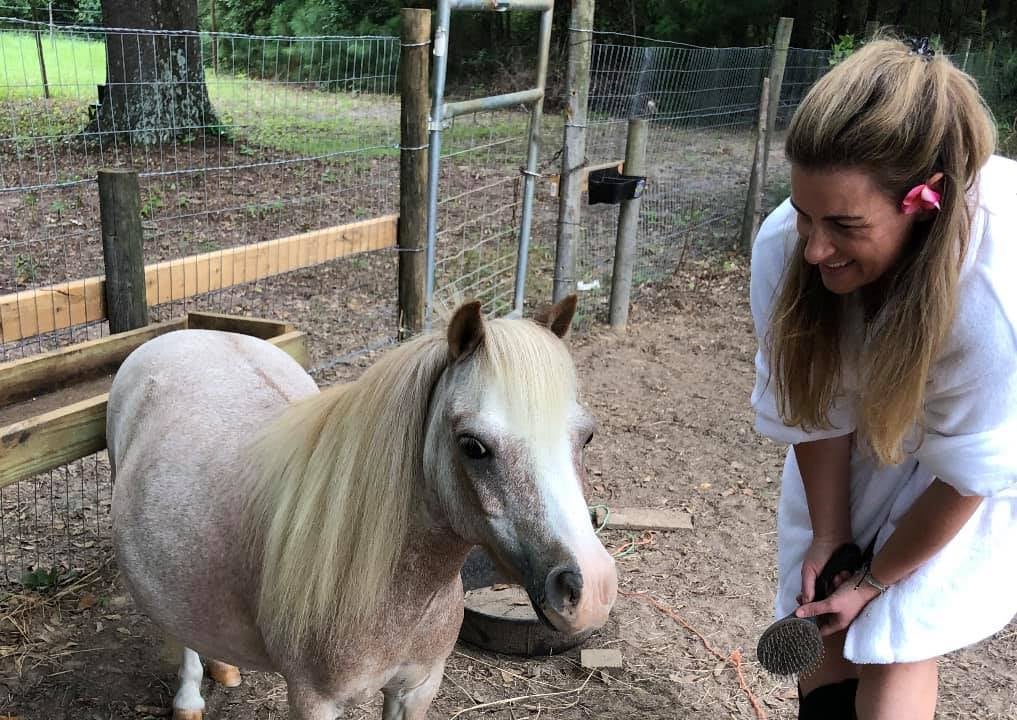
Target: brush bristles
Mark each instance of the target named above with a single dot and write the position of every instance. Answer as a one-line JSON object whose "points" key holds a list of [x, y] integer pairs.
{"points": [[791, 646]]}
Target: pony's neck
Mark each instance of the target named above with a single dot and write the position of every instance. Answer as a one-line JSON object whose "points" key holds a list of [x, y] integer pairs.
{"points": [[430, 539], [439, 549]]}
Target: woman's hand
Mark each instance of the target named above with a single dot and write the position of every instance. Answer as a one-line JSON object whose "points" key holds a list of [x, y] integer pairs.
{"points": [[816, 557], [840, 609]]}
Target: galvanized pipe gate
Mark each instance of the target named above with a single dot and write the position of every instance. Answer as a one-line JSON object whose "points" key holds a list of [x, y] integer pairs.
{"points": [[442, 113]]}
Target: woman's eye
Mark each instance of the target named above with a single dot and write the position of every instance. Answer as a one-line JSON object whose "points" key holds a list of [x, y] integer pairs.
{"points": [[472, 448]]}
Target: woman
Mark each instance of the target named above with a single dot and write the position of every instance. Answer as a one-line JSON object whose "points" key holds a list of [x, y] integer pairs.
{"points": [[886, 312]]}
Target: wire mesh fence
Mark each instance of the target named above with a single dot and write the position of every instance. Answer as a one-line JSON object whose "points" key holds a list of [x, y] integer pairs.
{"points": [[480, 206], [995, 70], [478, 209], [801, 71], [297, 135], [701, 105]]}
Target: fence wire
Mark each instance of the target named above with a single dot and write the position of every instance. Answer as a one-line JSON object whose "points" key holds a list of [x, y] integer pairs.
{"points": [[478, 209], [297, 134], [701, 105]]}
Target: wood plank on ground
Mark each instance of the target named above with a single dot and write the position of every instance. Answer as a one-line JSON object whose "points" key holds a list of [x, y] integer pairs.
{"points": [[642, 518]]}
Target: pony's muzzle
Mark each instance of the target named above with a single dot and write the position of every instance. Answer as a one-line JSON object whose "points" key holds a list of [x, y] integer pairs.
{"points": [[571, 603]]}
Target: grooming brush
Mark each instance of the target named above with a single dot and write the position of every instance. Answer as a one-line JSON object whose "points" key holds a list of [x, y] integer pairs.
{"points": [[794, 645]]}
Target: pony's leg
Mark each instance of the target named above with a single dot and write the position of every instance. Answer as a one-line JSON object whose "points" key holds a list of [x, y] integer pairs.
{"points": [[188, 703], [411, 703], [306, 704], [223, 673]]}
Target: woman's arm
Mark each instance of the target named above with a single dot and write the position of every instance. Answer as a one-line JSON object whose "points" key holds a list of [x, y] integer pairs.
{"points": [[825, 466], [933, 520]]}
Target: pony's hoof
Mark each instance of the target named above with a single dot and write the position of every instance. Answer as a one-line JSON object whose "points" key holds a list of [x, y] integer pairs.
{"points": [[179, 714], [223, 673]]}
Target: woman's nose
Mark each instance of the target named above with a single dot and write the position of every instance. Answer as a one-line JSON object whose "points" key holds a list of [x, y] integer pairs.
{"points": [[817, 248]]}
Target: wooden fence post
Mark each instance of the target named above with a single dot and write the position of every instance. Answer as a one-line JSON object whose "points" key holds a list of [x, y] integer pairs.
{"points": [[781, 43], [628, 223], [757, 179], [573, 157], [42, 64], [414, 104], [122, 249], [215, 43], [871, 28]]}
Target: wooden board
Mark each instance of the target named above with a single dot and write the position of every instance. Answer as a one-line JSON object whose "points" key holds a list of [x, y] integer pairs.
{"points": [[555, 180], [255, 327], [46, 372], [55, 399], [52, 439], [295, 345], [197, 274], [33, 312], [60, 426]]}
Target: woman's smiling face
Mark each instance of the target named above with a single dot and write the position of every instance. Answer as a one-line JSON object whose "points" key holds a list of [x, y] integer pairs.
{"points": [[853, 231]]}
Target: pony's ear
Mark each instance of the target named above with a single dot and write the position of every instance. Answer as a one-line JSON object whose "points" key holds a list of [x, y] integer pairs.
{"points": [[558, 317], [465, 331]]}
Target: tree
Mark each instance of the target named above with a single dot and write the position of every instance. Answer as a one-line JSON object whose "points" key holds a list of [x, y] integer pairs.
{"points": [[155, 82]]}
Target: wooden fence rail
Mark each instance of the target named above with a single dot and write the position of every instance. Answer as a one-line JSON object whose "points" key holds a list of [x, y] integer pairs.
{"points": [[33, 312]]}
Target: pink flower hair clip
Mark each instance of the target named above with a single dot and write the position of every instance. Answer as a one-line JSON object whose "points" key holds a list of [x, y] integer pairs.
{"points": [[921, 197]]}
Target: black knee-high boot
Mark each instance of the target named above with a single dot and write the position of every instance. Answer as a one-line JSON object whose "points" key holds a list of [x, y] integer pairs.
{"points": [[829, 702]]}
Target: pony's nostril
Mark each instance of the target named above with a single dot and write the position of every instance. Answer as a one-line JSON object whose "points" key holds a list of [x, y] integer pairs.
{"points": [[564, 588]]}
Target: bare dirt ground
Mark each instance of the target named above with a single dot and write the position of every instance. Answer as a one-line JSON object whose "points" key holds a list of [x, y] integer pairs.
{"points": [[675, 430]]}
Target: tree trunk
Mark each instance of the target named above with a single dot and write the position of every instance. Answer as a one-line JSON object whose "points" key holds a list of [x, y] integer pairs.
{"points": [[155, 83]]}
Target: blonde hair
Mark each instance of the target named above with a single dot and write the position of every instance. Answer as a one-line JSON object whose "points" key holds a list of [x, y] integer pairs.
{"points": [[336, 475], [900, 117]]}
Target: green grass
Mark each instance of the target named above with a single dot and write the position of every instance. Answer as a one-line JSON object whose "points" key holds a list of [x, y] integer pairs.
{"points": [[303, 121], [73, 67], [255, 113]]}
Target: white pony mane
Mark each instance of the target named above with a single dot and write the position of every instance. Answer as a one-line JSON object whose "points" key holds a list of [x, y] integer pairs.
{"points": [[335, 475]]}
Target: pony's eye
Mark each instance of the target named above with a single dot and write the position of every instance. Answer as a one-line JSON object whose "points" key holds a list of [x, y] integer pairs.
{"points": [[588, 440], [472, 448]]}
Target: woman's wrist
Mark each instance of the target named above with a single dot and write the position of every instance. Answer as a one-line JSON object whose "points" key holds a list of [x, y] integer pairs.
{"points": [[835, 534], [880, 573], [867, 579]]}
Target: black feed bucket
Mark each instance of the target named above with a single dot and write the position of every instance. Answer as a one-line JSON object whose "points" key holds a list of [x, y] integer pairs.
{"points": [[611, 187]]}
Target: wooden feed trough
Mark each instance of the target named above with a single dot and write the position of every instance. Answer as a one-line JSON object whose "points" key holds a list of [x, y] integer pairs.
{"points": [[53, 405]]}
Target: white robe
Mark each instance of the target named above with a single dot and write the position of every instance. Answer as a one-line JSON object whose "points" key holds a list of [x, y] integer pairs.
{"points": [[968, 590]]}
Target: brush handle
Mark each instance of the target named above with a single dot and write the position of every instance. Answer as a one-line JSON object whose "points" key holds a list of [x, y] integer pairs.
{"points": [[846, 558]]}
